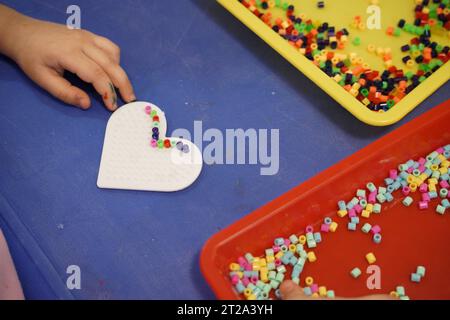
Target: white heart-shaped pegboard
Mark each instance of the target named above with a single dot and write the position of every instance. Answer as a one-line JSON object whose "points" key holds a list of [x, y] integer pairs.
{"points": [[130, 162]]}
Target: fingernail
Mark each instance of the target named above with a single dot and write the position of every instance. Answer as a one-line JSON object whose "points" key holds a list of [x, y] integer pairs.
{"points": [[132, 98], [83, 103]]}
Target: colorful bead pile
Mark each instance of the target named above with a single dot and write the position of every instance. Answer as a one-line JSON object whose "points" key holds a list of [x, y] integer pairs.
{"points": [[257, 277], [158, 143], [377, 90]]}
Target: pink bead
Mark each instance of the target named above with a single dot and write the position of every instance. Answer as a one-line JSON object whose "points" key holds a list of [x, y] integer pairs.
{"points": [[358, 208], [423, 205], [254, 279], [245, 281], [325, 228], [287, 242], [440, 150], [444, 184], [235, 279], [426, 197], [423, 188], [315, 288], [154, 143], [375, 229], [410, 170], [309, 229], [352, 213], [422, 161], [248, 267], [278, 262], [148, 109], [406, 191], [242, 261], [372, 197], [276, 249], [421, 168], [393, 174]]}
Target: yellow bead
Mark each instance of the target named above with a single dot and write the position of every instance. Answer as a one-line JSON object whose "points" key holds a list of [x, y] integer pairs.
{"points": [[371, 48], [271, 4], [251, 297], [302, 239], [235, 267], [279, 254], [292, 248], [262, 263], [370, 257], [342, 213], [433, 181], [270, 259], [312, 256], [248, 292], [394, 294], [413, 187], [264, 274], [240, 274], [432, 187], [309, 281], [323, 291], [410, 63], [333, 226], [365, 214], [369, 207], [315, 295]]}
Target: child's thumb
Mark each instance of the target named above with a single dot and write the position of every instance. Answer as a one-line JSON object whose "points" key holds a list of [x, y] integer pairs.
{"points": [[291, 291]]}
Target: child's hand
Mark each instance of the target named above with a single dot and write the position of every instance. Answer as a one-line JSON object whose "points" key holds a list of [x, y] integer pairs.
{"points": [[44, 50], [291, 291]]}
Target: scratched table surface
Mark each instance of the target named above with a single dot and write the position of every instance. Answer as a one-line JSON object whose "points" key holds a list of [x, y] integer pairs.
{"points": [[198, 63]]}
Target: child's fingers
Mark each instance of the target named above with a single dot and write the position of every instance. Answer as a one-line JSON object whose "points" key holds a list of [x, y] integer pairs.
{"points": [[91, 72], [291, 291], [109, 47], [113, 70], [51, 81]]}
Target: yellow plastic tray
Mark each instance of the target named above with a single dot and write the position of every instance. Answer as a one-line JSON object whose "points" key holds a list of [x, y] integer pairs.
{"points": [[340, 13]]}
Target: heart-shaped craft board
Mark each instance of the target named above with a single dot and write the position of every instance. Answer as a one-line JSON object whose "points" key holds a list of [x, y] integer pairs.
{"points": [[129, 161]]}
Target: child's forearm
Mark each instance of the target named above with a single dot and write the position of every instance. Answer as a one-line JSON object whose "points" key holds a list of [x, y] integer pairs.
{"points": [[11, 22]]}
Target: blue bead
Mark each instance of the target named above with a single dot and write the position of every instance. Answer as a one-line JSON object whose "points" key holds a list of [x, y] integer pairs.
{"points": [[318, 237]]}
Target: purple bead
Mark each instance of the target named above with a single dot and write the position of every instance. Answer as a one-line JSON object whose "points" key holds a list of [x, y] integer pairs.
{"points": [[186, 148], [180, 145], [155, 130]]}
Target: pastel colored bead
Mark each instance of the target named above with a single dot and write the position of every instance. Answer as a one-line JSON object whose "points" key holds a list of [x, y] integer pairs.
{"points": [[440, 209], [365, 214], [330, 294], [342, 213], [355, 220], [445, 203], [323, 291], [315, 288], [400, 291], [407, 201], [415, 277], [307, 291], [377, 238], [351, 226], [333, 226], [370, 257], [356, 272], [375, 229], [377, 208], [421, 271], [312, 256], [317, 237], [325, 228], [423, 205], [443, 193], [366, 228], [309, 281]]}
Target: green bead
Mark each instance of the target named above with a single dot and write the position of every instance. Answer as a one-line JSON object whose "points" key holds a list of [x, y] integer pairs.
{"points": [[421, 271], [407, 201], [440, 209]]}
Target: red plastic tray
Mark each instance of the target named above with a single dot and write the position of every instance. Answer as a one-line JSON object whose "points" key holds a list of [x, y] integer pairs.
{"points": [[410, 237]]}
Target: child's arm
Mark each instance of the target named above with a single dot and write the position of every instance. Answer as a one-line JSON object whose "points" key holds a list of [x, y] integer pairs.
{"points": [[44, 50], [10, 288], [291, 291]]}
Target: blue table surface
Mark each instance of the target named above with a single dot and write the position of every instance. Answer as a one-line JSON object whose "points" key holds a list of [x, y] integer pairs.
{"points": [[198, 63]]}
